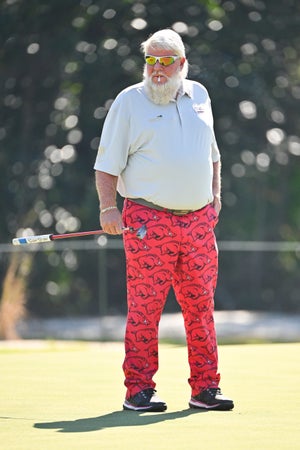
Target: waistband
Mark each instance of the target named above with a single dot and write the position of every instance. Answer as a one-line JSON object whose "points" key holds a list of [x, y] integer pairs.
{"points": [[176, 212]]}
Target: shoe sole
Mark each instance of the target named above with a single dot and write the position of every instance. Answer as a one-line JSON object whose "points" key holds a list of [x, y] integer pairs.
{"points": [[152, 408], [216, 407]]}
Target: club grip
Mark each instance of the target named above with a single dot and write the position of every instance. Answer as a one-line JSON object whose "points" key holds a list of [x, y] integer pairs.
{"points": [[32, 239]]}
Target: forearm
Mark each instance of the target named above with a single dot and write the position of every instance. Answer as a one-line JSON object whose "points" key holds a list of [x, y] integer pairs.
{"points": [[216, 186], [216, 182], [110, 217], [106, 185]]}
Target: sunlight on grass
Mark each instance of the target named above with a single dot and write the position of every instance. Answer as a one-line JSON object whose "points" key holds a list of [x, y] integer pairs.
{"points": [[69, 396]]}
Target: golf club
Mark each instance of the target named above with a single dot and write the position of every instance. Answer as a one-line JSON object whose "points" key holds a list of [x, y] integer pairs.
{"points": [[139, 232]]}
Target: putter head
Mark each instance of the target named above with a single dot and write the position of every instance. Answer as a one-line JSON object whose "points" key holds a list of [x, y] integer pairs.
{"points": [[141, 232]]}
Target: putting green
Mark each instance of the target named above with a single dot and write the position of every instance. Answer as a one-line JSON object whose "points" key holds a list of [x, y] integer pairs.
{"points": [[69, 396]]}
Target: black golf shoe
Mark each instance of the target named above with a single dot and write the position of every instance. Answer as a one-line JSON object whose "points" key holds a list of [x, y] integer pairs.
{"points": [[211, 399], [145, 400]]}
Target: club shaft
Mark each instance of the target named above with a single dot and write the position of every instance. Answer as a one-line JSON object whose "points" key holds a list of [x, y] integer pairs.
{"points": [[52, 237], [73, 235], [82, 233]]}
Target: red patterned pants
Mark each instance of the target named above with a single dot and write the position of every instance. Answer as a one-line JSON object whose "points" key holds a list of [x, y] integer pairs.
{"points": [[178, 251]]}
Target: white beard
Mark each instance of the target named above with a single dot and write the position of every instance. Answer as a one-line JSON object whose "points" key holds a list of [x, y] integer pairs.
{"points": [[162, 94]]}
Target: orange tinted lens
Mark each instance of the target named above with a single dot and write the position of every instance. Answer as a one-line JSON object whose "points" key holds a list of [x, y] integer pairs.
{"points": [[166, 60]]}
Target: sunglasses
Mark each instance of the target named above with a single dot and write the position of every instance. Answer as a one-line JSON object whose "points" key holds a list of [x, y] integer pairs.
{"points": [[163, 60]]}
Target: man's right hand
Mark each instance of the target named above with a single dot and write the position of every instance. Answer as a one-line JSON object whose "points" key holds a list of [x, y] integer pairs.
{"points": [[111, 221]]}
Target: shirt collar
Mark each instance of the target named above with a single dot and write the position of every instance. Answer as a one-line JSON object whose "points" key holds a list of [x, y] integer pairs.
{"points": [[184, 89]]}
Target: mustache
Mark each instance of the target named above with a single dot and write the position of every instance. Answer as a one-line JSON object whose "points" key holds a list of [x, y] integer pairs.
{"points": [[158, 74]]}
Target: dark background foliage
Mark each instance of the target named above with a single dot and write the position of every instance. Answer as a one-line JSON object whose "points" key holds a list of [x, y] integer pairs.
{"points": [[61, 65]]}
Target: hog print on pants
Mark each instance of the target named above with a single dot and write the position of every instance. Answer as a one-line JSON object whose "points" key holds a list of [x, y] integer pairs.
{"points": [[177, 251]]}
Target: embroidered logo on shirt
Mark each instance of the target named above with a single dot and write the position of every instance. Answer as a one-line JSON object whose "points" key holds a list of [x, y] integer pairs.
{"points": [[156, 118], [199, 107]]}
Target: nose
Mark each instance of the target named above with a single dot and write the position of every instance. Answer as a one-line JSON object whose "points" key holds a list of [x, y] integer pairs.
{"points": [[158, 65]]}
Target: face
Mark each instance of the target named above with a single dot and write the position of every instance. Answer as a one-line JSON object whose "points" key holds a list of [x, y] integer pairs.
{"points": [[160, 74]]}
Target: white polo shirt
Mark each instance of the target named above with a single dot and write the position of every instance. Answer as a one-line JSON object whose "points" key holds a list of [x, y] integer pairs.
{"points": [[161, 153]]}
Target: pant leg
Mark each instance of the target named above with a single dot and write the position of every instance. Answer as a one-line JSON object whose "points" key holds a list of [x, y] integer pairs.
{"points": [[150, 265], [194, 286]]}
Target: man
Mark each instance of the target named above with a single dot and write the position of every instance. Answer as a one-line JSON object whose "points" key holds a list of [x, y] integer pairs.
{"points": [[159, 151]]}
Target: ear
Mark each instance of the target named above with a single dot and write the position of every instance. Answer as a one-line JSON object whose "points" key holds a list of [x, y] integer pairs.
{"points": [[182, 61]]}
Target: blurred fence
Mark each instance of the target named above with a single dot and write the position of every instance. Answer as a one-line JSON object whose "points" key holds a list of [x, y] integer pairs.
{"points": [[253, 275]]}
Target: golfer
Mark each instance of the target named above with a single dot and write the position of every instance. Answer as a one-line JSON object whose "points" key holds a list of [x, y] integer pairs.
{"points": [[159, 151]]}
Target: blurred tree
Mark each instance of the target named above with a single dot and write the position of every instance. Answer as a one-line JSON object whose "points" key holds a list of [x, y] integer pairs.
{"points": [[61, 65]]}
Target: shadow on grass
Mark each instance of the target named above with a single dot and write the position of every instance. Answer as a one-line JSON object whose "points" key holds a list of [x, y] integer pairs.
{"points": [[114, 419]]}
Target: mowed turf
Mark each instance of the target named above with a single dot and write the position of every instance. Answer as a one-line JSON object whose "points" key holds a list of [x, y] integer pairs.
{"points": [[69, 396]]}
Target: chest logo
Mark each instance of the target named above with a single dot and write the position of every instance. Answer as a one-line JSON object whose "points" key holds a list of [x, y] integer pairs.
{"points": [[199, 107]]}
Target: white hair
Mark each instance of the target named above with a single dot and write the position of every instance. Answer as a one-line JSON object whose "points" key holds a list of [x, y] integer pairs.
{"points": [[167, 40]]}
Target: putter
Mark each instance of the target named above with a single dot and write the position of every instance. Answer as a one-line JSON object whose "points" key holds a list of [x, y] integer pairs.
{"points": [[139, 232]]}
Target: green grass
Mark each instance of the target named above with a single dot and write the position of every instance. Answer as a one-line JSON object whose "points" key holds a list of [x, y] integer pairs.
{"points": [[69, 395]]}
